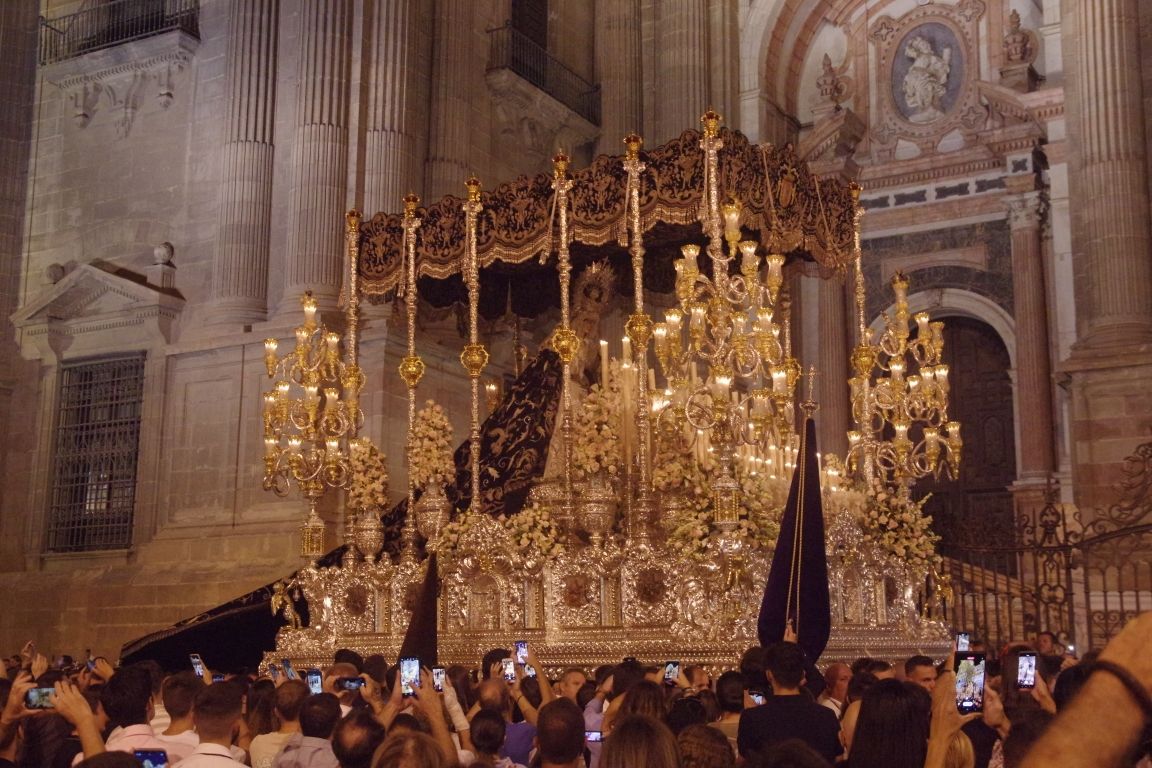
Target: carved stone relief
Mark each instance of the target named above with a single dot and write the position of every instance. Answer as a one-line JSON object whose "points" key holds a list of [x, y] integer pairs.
{"points": [[928, 69]]}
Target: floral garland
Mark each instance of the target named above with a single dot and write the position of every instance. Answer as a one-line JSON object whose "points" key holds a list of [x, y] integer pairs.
{"points": [[596, 429], [899, 527], [430, 458], [531, 530], [368, 483]]}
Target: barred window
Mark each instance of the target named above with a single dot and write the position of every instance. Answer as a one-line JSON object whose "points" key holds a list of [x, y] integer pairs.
{"points": [[97, 442]]}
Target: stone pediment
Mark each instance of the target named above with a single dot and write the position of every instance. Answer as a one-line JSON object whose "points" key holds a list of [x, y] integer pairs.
{"points": [[92, 311]]}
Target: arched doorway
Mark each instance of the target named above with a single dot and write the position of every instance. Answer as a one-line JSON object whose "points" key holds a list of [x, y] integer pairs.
{"points": [[974, 512], [972, 509]]}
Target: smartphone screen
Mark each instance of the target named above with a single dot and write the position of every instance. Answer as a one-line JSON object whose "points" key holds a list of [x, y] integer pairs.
{"points": [[593, 735], [315, 681], [37, 698], [409, 675], [671, 671], [289, 672], [529, 670], [508, 666], [521, 652], [91, 665], [438, 678], [349, 683], [757, 698], [151, 758], [963, 642], [197, 664], [970, 682], [1026, 671]]}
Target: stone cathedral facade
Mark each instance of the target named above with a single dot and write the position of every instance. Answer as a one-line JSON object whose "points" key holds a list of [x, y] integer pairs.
{"points": [[175, 174]]}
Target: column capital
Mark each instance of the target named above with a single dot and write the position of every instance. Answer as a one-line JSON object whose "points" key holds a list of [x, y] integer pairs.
{"points": [[1025, 211]]}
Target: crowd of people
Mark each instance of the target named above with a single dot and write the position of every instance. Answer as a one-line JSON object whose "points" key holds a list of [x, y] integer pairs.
{"points": [[777, 710]]}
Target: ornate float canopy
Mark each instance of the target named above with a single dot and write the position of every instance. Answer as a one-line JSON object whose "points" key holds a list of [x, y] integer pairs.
{"points": [[786, 208]]}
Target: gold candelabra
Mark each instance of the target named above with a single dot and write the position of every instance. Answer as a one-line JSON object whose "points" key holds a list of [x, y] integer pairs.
{"points": [[741, 407], [311, 417], [900, 398]]}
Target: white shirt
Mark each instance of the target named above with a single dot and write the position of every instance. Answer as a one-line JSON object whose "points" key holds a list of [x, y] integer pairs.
{"points": [[129, 739], [184, 744], [209, 756], [832, 704], [181, 745], [266, 746]]}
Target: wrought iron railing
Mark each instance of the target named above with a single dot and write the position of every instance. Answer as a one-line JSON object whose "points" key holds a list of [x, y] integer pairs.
{"points": [[112, 23], [513, 50]]}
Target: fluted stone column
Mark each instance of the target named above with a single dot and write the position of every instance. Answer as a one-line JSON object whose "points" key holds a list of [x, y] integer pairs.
{"points": [[724, 59], [1033, 367], [618, 69], [833, 418], [319, 194], [683, 60], [240, 271], [1113, 249], [452, 65], [394, 152]]}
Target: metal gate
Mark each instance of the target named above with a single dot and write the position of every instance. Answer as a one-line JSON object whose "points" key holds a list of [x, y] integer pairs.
{"points": [[1117, 553], [1012, 583], [1080, 575]]}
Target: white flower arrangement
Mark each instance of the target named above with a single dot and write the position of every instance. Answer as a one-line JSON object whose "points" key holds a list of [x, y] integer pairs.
{"points": [[532, 528], [899, 527], [530, 531], [430, 457], [368, 483], [596, 429], [761, 497]]}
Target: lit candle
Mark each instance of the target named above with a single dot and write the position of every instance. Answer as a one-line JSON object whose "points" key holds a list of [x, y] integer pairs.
{"points": [[697, 315], [691, 254], [309, 311], [651, 379], [723, 383], [312, 392], [749, 261], [332, 340], [333, 446], [922, 331], [779, 380], [603, 362], [331, 398], [270, 346], [627, 347]]}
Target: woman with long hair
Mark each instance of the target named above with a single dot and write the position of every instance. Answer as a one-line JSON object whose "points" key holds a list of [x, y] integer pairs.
{"points": [[892, 729], [644, 698], [640, 741]]}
